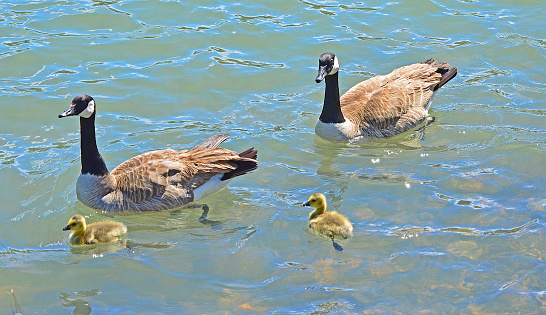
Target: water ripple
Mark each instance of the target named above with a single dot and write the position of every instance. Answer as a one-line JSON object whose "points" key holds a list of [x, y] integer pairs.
{"points": [[540, 43], [170, 73], [515, 231]]}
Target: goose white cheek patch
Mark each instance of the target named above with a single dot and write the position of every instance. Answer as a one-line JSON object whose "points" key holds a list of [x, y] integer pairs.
{"points": [[88, 111], [335, 68]]}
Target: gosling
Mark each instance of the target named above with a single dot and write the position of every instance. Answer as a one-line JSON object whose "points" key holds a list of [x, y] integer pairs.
{"points": [[94, 233], [329, 223]]}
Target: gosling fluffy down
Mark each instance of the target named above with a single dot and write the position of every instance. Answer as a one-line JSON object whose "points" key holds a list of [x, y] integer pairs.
{"points": [[97, 232], [329, 223]]}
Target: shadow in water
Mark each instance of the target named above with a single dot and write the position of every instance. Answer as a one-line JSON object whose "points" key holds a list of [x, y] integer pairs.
{"points": [[121, 245], [81, 306], [164, 214], [332, 150], [98, 249], [132, 245], [337, 243]]}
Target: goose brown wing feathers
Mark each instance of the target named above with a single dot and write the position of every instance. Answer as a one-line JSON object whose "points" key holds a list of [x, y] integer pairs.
{"points": [[151, 179], [171, 174], [212, 142], [383, 100]]}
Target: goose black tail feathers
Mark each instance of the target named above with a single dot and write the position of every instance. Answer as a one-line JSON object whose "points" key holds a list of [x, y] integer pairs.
{"points": [[249, 164], [444, 69]]}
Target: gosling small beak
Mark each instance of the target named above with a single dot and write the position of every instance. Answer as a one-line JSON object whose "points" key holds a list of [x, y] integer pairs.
{"points": [[70, 111], [321, 74], [307, 204], [66, 228]]}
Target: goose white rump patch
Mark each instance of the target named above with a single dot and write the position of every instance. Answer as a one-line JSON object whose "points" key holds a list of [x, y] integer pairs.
{"points": [[211, 186], [430, 101]]}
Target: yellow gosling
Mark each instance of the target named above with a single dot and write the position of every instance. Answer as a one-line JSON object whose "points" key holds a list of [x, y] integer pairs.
{"points": [[97, 232], [329, 223]]}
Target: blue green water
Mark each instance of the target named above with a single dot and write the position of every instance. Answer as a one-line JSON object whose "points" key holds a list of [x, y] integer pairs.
{"points": [[448, 219]]}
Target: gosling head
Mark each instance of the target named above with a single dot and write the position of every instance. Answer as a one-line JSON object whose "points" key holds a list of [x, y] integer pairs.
{"points": [[76, 224], [328, 65], [317, 200], [82, 105]]}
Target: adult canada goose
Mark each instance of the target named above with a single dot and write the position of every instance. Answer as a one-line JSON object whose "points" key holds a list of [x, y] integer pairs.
{"points": [[156, 180], [329, 223], [97, 232], [382, 106]]}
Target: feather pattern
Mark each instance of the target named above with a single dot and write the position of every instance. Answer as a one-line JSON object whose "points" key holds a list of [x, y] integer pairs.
{"points": [[385, 105], [158, 180]]}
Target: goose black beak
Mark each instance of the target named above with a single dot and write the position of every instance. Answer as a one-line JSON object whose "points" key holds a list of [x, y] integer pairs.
{"points": [[321, 74], [70, 111], [307, 204], [66, 228]]}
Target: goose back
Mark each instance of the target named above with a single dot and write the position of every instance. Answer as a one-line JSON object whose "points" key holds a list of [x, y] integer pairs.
{"points": [[387, 105]]}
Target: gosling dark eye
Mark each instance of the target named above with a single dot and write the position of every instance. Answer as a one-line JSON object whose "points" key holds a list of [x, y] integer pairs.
{"points": [[73, 224], [313, 200]]}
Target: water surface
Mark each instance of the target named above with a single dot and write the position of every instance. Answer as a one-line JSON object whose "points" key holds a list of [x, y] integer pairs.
{"points": [[448, 218]]}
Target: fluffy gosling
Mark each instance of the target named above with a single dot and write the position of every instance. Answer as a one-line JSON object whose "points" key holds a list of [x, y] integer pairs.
{"points": [[97, 232], [329, 223]]}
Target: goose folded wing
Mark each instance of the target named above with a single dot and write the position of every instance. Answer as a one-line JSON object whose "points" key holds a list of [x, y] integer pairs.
{"points": [[389, 102], [144, 158], [150, 180], [381, 108], [175, 177]]}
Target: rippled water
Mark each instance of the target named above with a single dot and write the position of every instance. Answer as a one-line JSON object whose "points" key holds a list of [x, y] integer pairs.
{"points": [[448, 219]]}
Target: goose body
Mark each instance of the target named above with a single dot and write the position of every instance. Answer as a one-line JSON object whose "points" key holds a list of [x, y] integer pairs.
{"points": [[329, 223], [156, 180], [382, 106], [97, 232]]}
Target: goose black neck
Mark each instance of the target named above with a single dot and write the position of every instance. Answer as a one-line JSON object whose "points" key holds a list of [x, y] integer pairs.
{"points": [[331, 111], [92, 162]]}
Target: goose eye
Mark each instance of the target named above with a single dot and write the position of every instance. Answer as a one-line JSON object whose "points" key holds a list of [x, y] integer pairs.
{"points": [[73, 224], [313, 200]]}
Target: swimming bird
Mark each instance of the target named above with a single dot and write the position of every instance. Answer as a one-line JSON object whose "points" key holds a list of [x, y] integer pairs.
{"points": [[329, 223], [382, 106], [156, 180], [96, 232]]}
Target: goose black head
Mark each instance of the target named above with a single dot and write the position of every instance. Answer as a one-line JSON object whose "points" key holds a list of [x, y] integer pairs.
{"points": [[82, 105], [328, 65]]}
